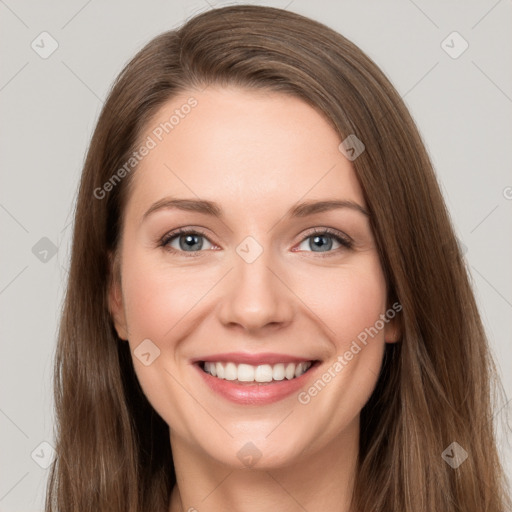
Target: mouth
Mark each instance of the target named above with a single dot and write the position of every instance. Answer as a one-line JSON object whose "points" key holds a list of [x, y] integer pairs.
{"points": [[255, 374], [256, 379]]}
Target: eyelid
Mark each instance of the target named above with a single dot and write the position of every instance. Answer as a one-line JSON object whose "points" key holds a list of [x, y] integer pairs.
{"points": [[329, 231]]}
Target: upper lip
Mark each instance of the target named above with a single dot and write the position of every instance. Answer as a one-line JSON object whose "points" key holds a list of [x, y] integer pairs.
{"points": [[252, 359]]}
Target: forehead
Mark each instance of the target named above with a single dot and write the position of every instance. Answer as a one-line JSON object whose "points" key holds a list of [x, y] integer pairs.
{"points": [[241, 147]]}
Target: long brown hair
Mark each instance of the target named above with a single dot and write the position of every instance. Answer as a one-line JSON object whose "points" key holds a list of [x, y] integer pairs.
{"points": [[436, 385]]}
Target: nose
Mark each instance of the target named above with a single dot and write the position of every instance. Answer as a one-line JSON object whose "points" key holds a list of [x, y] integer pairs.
{"points": [[257, 296]]}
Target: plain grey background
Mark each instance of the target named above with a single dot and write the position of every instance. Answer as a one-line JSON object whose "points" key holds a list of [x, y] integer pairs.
{"points": [[462, 103]]}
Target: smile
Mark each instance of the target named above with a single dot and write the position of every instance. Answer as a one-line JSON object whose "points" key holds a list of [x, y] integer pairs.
{"points": [[255, 379], [263, 373]]}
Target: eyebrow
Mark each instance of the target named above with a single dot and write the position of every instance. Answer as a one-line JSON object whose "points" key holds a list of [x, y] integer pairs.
{"points": [[213, 209]]}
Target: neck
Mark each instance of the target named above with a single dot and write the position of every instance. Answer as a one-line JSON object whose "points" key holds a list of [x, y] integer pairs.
{"points": [[315, 482]]}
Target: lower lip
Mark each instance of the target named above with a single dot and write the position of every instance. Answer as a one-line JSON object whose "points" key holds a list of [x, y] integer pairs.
{"points": [[256, 393]]}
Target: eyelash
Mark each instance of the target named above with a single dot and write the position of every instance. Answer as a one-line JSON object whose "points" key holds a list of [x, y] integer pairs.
{"points": [[342, 239]]}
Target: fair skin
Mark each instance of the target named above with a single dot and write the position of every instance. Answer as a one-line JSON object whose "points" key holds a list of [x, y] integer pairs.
{"points": [[257, 155]]}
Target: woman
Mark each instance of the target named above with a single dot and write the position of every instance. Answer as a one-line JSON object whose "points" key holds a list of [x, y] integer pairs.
{"points": [[258, 371]]}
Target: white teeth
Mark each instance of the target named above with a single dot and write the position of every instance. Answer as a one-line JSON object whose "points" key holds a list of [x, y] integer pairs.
{"points": [[220, 370], [245, 373], [278, 372], [260, 373], [263, 373], [230, 371], [290, 371]]}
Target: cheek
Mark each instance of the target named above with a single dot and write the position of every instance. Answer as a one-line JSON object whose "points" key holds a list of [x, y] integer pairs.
{"points": [[158, 298], [159, 306], [350, 304], [348, 299], [356, 301]]}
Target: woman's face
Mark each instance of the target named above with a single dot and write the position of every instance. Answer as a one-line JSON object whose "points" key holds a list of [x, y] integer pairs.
{"points": [[256, 288]]}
